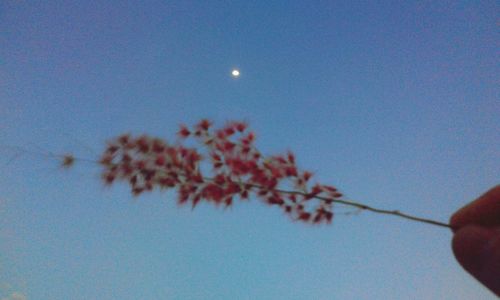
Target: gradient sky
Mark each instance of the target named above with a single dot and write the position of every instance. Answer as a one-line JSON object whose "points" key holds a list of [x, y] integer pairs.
{"points": [[396, 103]]}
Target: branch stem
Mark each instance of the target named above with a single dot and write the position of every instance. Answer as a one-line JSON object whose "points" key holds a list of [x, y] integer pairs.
{"points": [[375, 210], [340, 201]]}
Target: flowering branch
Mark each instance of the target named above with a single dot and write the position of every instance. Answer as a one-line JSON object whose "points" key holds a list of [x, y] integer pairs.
{"points": [[238, 169]]}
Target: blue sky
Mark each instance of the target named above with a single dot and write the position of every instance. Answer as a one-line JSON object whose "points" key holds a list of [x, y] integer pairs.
{"points": [[396, 103]]}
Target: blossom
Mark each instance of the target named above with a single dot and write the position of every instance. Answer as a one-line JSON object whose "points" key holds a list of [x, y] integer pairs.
{"points": [[238, 170]]}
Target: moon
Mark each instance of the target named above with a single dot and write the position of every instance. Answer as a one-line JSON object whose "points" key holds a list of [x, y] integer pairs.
{"points": [[235, 73]]}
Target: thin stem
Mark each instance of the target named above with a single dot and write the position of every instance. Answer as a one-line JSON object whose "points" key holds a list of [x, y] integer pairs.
{"points": [[361, 206], [372, 209], [355, 204], [344, 202]]}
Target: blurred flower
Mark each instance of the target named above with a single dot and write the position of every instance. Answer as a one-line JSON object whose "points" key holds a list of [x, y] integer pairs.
{"points": [[238, 169]]}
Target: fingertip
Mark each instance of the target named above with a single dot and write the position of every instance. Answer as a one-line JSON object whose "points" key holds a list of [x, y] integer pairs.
{"points": [[467, 245], [485, 210], [477, 249]]}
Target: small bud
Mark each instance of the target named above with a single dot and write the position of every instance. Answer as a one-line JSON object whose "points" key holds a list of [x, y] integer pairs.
{"points": [[183, 132], [68, 161]]}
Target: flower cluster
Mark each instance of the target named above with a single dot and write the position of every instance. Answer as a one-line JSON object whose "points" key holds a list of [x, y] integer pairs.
{"points": [[237, 169]]}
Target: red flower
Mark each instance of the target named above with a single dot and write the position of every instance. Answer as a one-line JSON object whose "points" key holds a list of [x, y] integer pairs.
{"points": [[204, 124], [160, 161], [239, 169], [240, 126], [184, 132]]}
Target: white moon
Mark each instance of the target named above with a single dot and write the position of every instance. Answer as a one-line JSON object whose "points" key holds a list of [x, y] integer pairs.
{"points": [[235, 73]]}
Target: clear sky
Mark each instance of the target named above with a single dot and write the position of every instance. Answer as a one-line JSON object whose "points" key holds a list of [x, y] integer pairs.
{"points": [[396, 103]]}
